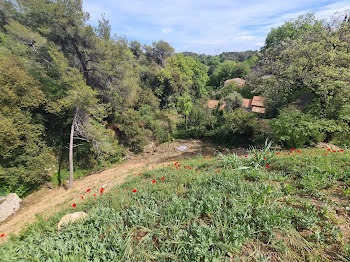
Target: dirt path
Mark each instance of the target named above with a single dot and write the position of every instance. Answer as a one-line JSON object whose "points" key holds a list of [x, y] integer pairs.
{"points": [[48, 201]]}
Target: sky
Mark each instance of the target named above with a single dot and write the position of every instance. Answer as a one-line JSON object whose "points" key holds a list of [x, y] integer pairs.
{"points": [[204, 26]]}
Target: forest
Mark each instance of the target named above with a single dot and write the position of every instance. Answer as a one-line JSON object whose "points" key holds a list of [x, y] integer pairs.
{"points": [[74, 93]]}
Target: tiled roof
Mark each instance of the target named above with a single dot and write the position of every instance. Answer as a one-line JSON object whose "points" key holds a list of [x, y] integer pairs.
{"points": [[259, 101]]}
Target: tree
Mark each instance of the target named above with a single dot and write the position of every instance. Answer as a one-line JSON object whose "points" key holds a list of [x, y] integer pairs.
{"points": [[184, 106], [88, 114], [159, 51], [315, 62], [180, 75]]}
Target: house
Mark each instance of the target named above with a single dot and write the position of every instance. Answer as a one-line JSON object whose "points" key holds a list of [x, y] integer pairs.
{"points": [[214, 103], [257, 104], [238, 81]]}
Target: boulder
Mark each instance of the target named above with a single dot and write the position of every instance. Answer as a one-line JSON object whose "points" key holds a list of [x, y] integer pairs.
{"points": [[72, 218], [9, 206]]}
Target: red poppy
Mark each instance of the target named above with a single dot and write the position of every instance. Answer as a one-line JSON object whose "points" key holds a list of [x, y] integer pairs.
{"points": [[134, 191], [153, 181], [239, 155], [218, 170], [94, 195], [325, 154], [101, 191], [264, 158], [293, 149], [190, 168], [245, 156], [298, 151], [267, 165], [334, 151], [82, 197], [341, 150], [88, 190], [329, 149], [74, 205], [162, 178], [204, 157], [2, 235]]}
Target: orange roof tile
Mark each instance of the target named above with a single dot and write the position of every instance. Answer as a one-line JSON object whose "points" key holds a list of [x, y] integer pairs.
{"points": [[259, 101], [246, 103], [261, 110]]}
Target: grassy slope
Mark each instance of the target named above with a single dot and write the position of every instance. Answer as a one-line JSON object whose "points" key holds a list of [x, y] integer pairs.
{"points": [[295, 209]]}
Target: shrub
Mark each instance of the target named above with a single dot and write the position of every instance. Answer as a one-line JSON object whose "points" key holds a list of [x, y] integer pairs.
{"points": [[292, 128], [233, 101], [132, 130]]}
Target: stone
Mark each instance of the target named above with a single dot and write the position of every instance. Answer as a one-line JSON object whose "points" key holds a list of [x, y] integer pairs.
{"points": [[181, 148], [9, 206], [72, 218]]}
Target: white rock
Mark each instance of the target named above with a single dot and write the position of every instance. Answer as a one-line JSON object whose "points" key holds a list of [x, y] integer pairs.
{"points": [[9, 206]]}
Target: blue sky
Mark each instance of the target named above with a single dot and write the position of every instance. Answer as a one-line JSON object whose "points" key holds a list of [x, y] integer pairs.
{"points": [[205, 26]]}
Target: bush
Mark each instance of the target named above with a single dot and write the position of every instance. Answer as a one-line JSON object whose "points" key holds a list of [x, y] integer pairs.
{"points": [[233, 101], [292, 128], [235, 128], [131, 127]]}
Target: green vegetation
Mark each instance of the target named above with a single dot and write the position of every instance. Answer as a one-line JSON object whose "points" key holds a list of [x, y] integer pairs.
{"points": [[228, 208]]}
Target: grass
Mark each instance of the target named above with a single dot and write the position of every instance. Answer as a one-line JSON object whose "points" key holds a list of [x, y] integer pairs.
{"points": [[228, 208]]}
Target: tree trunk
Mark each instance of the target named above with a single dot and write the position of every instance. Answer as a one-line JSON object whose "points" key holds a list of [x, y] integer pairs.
{"points": [[186, 121], [71, 151]]}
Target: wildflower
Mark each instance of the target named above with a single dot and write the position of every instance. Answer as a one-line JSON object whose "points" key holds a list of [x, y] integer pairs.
{"points": [[88, 190], [267, 165], [334, 151], [74, 205], [204, 157], [329, 149], [163, 178], [82, 197], [2, 235], [153, 181], [298, 151], [341, 150], [245, 156], [101, 191], [325, 154], [293, 149], [134, 191], [264, 158], [94, 195], [218, 170]]}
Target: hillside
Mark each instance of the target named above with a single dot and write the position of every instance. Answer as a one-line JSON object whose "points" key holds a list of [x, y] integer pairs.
{"points": [[262, 206]]}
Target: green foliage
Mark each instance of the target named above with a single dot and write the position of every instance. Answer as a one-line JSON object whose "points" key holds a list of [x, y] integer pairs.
{"points": [[235, 128], [233, 101], [312, 58], [180, 75], [132, 132], [228, 70], [293, 128], [24, 155]]}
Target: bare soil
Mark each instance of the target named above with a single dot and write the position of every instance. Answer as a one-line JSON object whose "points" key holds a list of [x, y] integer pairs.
{"points": [[46, 202]]}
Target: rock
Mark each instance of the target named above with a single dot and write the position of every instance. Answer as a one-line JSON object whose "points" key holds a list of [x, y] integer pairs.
{"points": [[9, 206], [71, 218], [181, 148]]}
